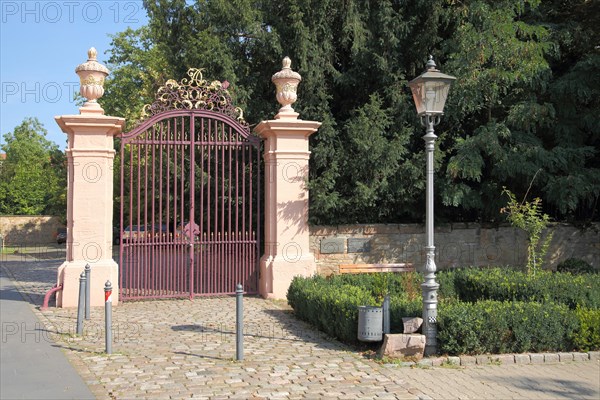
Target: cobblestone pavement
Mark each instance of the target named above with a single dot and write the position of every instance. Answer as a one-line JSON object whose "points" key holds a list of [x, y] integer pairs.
{"points": [[186, 349]]}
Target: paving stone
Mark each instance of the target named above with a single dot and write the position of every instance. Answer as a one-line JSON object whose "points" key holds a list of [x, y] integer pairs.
{"points": [[522, 359], [453, 360], [186, 349], [565, 357], [536, 358], [594, 355], [551, 358], [483, 359], [467, 360], [581, 357]]}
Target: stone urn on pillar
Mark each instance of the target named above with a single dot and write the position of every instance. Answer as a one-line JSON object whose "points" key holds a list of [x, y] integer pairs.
{"points": [[90, 156], [91, 79], [286, 83], [287, 252]]}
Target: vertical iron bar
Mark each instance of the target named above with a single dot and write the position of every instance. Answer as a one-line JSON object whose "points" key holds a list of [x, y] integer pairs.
{"points": [[201, 265], [171, 227], [155, 233], [160, 210], [122, 267], [192, 200], [210, 257], [185, 249]]}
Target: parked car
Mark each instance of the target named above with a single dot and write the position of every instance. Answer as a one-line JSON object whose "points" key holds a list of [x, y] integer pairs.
{"points": [[138, 232], [61, 236]]}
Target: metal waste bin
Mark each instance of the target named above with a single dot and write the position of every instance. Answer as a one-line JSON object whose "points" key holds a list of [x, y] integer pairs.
{"points": [[370, 324]]}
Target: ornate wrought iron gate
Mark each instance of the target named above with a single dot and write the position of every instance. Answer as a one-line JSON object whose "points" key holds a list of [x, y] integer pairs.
{"points": [[190, 196]]}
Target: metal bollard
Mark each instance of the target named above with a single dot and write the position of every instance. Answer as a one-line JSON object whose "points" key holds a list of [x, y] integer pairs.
{"points": [[108, 316], [239, 322], [81, 303], [386, 314], [88, 282]]}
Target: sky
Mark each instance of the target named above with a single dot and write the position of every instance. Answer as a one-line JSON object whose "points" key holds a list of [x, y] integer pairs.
{"points": [[41, 44]]}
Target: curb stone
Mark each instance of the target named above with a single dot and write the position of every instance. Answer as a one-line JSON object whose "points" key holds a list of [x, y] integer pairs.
{"points": [[529, 358]]}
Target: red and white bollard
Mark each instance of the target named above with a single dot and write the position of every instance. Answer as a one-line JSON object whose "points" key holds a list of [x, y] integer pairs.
{"points": [[108, 316]]}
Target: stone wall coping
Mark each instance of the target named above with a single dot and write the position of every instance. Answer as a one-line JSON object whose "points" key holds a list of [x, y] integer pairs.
{"points": [[326, 230]]}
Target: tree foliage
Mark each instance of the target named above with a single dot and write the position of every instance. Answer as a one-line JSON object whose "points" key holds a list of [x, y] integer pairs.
{"points": [[525, 98], [33, 175]]}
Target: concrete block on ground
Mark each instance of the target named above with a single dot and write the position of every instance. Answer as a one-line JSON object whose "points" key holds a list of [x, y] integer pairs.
{"points": [[551, 358], [483, 359], [504, 358], [594, 355], [454, 360], [581, 356], [522, 359], [399, 345], [536, 358], [412, 325], [467, 360], [426, 362], [438, 361], [565, 357]]}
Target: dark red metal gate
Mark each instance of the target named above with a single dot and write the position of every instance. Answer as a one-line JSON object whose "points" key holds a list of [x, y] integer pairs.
{"points": [[190, 196]]}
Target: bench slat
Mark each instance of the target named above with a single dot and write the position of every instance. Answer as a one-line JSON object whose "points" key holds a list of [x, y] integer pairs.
{"points": [[359, 268]]}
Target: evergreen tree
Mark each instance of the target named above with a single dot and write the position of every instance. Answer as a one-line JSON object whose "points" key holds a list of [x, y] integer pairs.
{"points": [[525, 98]]}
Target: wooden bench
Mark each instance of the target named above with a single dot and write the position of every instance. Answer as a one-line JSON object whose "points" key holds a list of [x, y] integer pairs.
{"points": [[362, 268]]}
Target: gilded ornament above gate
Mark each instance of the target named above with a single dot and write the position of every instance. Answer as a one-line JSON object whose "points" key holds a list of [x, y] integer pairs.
{"points": [[194, 93]]}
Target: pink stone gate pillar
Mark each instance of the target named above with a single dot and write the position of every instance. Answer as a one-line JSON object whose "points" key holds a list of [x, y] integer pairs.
{"points": [[287, 251], [90, 155]]}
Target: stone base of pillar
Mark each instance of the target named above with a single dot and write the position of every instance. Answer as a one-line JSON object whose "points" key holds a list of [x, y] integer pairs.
{"points": [[101, 271], [276, 274]]}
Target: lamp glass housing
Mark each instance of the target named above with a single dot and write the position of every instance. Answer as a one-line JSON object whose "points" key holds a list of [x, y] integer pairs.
{"points": [[430, 90]]}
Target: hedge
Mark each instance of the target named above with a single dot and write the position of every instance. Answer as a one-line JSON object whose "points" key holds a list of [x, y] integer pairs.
{"points": [[486, 326], [504, 284], [505, 327], [332, 305], [587, 336]]}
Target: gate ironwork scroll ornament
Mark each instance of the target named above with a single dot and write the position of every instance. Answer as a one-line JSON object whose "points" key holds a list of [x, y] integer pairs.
{"points": [[190, 195], [194, 93]]}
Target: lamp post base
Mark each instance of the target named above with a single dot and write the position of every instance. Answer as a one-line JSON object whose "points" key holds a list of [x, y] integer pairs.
{"points": [[430, 316]]}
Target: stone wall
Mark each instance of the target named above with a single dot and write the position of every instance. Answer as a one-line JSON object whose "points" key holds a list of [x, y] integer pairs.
{"points": [[27, 230], [457, 245]]}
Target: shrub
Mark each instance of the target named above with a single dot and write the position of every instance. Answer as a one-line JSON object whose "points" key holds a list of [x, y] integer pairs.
{"points": [[529, 217], [331, 308], [331, 305], [504, 327], [509, 285], [447, 289], [575, 266], [587, 336]]}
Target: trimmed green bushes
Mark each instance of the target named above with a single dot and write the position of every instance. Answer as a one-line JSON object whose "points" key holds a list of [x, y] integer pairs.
{"points": [[332, 304], [480, 311], [505, 327], [503, 284], [587, 336]]}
